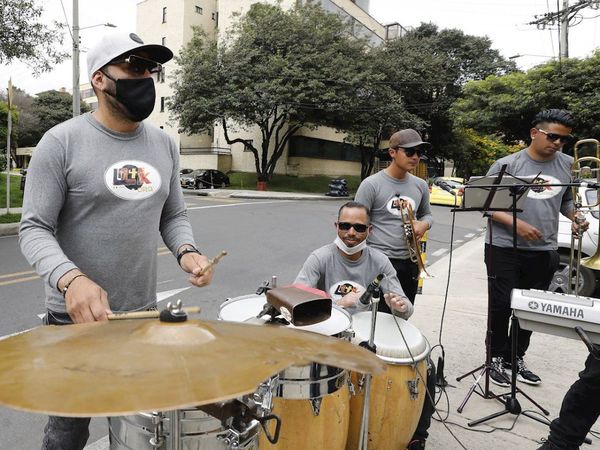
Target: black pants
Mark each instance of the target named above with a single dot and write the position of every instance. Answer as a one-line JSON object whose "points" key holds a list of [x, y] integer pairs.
{"points": [[506, 271], [580, 408], [408, 275], [64, 433]]}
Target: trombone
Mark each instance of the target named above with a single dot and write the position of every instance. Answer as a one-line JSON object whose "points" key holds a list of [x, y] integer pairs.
{"points": [[591, 170]]}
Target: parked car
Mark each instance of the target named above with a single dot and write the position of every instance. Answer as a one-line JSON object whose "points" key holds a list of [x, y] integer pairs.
{"points": [[439, 196], [210, 178], [188, 179], [588, 278]]}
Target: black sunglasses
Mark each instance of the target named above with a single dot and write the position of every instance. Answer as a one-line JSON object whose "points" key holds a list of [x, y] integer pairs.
{"points": [[411, 151], [553, 137], [359, 227], [139, 65]]}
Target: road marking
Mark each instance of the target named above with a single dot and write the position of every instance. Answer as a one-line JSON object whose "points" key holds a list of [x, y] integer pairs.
{"points": [[16, 274], [458, 241], [469, 235], [100, 444], [439, 252], [19, 280]]}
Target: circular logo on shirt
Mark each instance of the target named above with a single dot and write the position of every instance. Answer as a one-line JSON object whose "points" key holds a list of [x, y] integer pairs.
{"points": [[395, 203], [542, 191], [132, 180], [341, 288]]}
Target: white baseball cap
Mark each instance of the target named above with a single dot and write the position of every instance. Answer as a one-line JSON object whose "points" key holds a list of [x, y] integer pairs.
{"points": [[114, 45]]}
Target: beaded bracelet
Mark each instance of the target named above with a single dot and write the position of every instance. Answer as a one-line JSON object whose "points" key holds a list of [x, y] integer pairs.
{"points": [[64, 290]]}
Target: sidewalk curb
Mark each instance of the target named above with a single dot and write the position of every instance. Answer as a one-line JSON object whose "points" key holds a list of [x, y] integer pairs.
{"points": [[270, 195], [9, 229]]}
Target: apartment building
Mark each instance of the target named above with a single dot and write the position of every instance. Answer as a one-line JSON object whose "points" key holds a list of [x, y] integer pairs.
{"points": [[318, 151]]}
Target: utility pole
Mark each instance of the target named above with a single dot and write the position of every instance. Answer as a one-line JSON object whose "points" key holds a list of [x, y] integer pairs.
{"points": [[8, 132], [76, 100], [562, 19], [564, 31]]}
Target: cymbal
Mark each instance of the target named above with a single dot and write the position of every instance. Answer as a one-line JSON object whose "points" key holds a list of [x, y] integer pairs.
{"points": [[129, 366]]}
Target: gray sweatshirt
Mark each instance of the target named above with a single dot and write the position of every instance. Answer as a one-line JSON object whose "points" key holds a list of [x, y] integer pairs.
{"points": [[96, 199], [542, 205], [328, 270], [381, 193]]}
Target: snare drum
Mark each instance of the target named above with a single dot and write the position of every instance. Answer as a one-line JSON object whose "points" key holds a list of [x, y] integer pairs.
{"points": [[312, 401], [398, 394], [198, 431]]}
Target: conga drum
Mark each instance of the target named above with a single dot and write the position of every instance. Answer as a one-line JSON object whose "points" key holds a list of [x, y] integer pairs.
{"points": [[398, 394], [312, 401]]}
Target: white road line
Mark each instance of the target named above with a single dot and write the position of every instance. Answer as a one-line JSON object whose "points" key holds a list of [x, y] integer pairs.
{"points": [[469, 235], [100, 444], [239, 204], [458, 241], [439, 252]]}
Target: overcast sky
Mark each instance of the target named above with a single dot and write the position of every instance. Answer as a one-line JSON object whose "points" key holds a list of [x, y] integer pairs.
{"points": [[503, 21]]}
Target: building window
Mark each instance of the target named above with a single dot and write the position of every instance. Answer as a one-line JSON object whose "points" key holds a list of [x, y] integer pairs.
{"points": [[215, 16], [164, 15], [163, 40], [319, 148], [162, 104], [199, 10], [160, 76]]}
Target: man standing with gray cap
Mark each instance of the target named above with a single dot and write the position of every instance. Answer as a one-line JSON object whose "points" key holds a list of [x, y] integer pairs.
{"points": [[100, 187], [383, 193]]}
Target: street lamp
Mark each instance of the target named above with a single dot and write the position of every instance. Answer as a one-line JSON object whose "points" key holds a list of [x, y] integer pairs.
{"points": [[76, 29], [528, 54]]}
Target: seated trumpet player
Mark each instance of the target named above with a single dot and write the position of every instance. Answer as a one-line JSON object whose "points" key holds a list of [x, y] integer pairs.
{"points": [[345, 267]]}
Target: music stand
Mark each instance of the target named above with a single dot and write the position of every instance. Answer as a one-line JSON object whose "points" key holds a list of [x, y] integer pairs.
{"points": [[502, 192]]}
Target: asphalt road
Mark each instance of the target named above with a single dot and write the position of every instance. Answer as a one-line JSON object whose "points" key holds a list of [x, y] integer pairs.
{"points": [[262, 238]]}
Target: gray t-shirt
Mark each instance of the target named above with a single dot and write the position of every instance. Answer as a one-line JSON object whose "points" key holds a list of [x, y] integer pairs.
{"points": [[328, 270], [381, 194], [96, 199], [542, 205]]}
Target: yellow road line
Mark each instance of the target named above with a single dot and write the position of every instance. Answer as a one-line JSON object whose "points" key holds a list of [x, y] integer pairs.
{"points": [[19, 280], [16, 274]]}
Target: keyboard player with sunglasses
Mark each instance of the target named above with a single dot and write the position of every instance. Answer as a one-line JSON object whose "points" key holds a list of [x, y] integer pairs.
{"points": [[100, 188], [383, 193], [536, 259]]}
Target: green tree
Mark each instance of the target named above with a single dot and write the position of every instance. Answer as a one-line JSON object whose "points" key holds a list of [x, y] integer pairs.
{"points": [[53, 107], [474, 153], [429, 67], [278, 71], [506, 105], [24, 37]]}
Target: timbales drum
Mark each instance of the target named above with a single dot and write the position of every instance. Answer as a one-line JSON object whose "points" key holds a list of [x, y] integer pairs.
{"points": [[312, 401], [398, 394], [195, 430]]}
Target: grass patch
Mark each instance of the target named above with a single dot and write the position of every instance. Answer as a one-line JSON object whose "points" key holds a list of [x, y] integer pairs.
{"points": [[16, 194], [10, 218], [318, 184]]}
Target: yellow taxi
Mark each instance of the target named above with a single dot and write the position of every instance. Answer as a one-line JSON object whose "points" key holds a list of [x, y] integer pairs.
{"points": [[446, 191]]}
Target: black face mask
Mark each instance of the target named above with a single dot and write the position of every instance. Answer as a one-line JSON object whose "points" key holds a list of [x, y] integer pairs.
{"points": [[137, 95]]}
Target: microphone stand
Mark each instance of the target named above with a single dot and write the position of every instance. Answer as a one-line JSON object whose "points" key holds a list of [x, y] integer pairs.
{"points": [[363, 437]]}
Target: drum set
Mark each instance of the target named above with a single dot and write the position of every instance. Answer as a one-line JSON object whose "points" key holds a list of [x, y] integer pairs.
{"points": [[232, 384]]}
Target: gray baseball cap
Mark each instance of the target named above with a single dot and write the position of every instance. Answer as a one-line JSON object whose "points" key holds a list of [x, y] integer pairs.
{"points": [[114, 45], [406, 139]]}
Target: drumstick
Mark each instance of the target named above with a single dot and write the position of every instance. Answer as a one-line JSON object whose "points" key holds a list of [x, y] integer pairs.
{"points": [[212, 262], [148, 314]]}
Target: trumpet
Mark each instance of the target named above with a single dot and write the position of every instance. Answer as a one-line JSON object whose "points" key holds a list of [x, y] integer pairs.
{"points": [[579, 171], [414, 246]]}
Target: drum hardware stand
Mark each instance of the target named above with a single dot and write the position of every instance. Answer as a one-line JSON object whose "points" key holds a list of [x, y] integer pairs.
{"points": [[158, 439], [370, 345], [511, 404], [240, 417], [268, 309]]}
